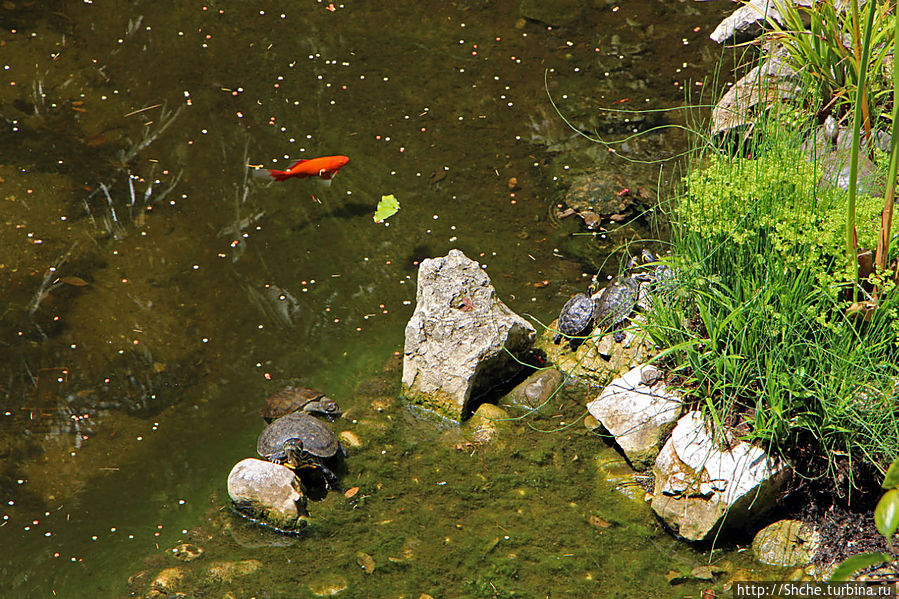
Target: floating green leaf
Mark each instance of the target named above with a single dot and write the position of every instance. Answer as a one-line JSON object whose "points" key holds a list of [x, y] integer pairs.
{"points": [[387, 207]]}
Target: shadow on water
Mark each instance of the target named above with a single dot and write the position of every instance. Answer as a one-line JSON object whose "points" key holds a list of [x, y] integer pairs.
{"points": [[155, 295]]}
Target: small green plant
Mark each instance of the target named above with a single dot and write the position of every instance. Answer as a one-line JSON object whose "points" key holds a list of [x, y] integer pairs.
{"points": [[886, 518]]}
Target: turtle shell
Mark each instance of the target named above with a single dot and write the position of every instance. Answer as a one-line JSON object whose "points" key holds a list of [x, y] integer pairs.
{"points": [[318, 440], [616, 302], [291, 399], [576, 315]]}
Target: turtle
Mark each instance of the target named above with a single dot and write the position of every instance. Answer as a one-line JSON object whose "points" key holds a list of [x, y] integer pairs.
{"points": [[577, 318], [300, 440], [293, 399], [663, 276], [615, 303]]}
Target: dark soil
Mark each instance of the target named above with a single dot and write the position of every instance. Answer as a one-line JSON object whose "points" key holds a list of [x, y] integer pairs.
{"points": [[841, 507], [844, 532]]}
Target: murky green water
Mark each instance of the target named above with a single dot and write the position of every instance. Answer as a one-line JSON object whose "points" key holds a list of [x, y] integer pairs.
{"points": [[153, 296]]}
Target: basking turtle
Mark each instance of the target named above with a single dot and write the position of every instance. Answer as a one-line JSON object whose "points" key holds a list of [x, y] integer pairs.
{"points": [[293, 399], [615, 304], [299, 440], [576, 318], [663, 276]]}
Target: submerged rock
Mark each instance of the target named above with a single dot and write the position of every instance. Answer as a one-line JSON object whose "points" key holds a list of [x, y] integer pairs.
{"points": [[228, 571], [350, 439], [553, 14], [251, 536], [187, 552], [328, 585], [700, 488], [461, 340], [596, 194], [167, 582], [486, 423], [535, 390], [639, 411], [616, 472], [268, 492]]}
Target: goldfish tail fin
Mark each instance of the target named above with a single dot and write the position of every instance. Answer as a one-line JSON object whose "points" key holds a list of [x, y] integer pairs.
{"points": [[270, 174]]}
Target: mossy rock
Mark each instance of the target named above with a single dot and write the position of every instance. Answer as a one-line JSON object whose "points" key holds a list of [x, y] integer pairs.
{"points": [[534, 391], [599, 359], [786, 543], [487, 423]]}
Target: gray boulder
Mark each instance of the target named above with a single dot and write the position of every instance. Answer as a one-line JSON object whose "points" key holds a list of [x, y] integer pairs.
{"points": [[639, 411], [268, 492], [461, 339], [747, 22], [553, 14], [701, 488]]}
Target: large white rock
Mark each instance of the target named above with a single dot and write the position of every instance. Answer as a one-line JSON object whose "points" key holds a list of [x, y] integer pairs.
{"points": [[269, 492], [461, 339], [700, 487], [639, 411]]}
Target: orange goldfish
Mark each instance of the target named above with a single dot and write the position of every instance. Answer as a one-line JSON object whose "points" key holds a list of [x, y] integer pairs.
{"points": [[324, 167]]}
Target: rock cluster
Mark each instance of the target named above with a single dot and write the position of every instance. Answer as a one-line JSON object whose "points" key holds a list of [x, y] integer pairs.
{"points": [[462, 338]]}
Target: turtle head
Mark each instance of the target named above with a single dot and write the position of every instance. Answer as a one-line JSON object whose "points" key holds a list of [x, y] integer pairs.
{"points": [[323, 406], [293, 450], [632, 264], [593, 287]]}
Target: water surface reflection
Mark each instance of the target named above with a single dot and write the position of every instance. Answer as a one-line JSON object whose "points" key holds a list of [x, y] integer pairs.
{"points": [[155, 293]]}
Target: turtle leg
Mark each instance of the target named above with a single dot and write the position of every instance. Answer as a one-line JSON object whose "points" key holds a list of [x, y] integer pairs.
{"points": [[331, 481]]}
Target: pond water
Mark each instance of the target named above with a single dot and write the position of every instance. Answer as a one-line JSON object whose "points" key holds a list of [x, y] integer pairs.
{"points": [[154, 295]]}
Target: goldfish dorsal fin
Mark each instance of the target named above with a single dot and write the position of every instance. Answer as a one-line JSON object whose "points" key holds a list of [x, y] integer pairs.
{"points": [[300, 161]]}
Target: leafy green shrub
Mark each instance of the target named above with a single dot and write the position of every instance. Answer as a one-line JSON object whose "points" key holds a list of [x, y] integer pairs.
{"points": [[775, 195]]}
